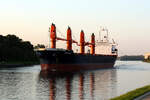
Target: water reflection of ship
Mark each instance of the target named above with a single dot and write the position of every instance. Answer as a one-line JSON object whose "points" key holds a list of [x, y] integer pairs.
{"points": [[81, 86], [105, 87]]}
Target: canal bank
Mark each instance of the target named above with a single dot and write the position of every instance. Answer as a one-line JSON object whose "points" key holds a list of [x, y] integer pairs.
{"points": [[18, 64], [146, 96], [147, 60], [137, 94]]}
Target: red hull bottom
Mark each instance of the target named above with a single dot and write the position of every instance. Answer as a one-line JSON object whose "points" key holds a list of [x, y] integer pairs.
{"points": [[74, 67]]}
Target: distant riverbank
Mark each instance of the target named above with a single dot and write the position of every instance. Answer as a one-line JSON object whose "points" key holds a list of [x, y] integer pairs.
{"points": [[131, 58]]}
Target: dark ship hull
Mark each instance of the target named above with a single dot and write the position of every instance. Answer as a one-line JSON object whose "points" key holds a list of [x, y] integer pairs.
{"points": [[60, 60]]}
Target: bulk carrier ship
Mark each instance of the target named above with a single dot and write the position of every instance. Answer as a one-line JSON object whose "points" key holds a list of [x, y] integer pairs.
{"points": [[102, 54]]}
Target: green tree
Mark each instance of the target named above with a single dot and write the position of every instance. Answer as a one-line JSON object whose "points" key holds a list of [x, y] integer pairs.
{"points": [[12, 48]]}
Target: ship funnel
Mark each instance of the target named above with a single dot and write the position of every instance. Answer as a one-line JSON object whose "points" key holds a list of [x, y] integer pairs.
{"points": [[82, 42], [53, 36], [92, 43], [69, 39]]}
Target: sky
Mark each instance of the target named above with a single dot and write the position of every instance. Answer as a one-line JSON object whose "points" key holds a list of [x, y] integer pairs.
{"points": [[128, 21]]}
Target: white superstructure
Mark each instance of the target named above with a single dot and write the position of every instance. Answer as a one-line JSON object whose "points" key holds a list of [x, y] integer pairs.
{"points": [[104, 46]]}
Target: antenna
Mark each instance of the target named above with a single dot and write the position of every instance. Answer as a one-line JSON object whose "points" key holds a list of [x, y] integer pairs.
{"points": [[100, 34], [107, 33], [113, 41]]}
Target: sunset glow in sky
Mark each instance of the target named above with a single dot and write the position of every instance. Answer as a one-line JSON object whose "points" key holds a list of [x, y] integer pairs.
{"points": [[127, 20]]}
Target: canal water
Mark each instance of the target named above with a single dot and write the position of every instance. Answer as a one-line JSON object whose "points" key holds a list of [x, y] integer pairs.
{"points": [[28, 83]]}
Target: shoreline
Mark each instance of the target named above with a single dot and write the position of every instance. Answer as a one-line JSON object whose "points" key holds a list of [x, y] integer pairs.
{"points": [[17, 64], [134, 94], [147, 61]]}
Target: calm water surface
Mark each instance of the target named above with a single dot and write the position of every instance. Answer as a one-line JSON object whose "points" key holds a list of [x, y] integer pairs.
{"points": [[30, 84]]}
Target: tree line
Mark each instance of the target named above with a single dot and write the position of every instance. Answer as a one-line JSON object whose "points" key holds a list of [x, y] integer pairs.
{"points": [[132, 57], [12, 48]]}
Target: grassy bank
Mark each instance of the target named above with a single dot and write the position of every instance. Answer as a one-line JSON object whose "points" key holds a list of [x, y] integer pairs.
{"points": [[133, 94], [146, 60]]}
